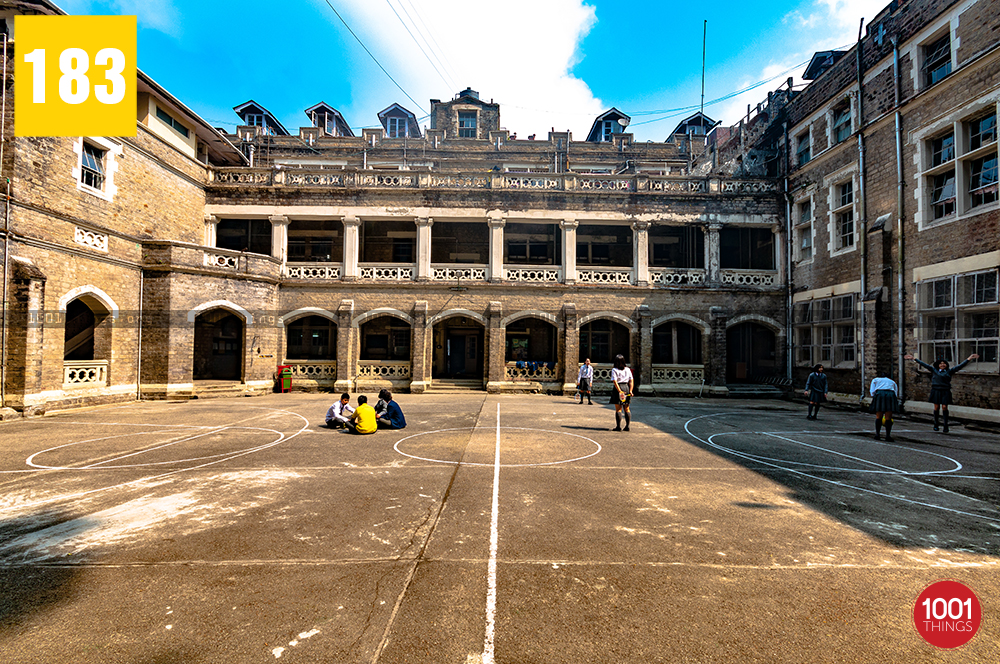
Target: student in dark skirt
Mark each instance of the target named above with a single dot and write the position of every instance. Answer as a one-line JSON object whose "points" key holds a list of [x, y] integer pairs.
{"points": [[940, 394], [816, 389], [885, 402], [622, 383]]}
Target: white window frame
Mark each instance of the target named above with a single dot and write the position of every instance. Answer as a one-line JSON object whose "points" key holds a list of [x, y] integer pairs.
{"points": [[800, 139], [804, 228], [111, 150], [834, 184], [830, 324], [392, 127], [924, 50], [945, 328], [458, 122], [831, 131], [958, 124]]}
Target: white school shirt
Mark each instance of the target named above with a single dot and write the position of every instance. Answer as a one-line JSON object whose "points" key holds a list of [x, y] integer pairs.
{"points": [[883, 384], [586, 371], [339, 411], [621, 375]]}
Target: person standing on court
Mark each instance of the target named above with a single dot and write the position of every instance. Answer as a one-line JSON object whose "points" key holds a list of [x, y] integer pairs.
{"points": [[816, 390], [363, 421], [885, 402], [392, 417], [585, 380], [340, 411], [621, 396], [940, 394]]}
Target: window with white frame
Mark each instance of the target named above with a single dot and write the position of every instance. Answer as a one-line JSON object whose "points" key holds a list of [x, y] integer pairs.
{"points": [[825, 332], [960, 168], [959, 317], [608, 130], [467, 124], [936, 60], [92, 166], [803, 148], [842, 215], [96, 166], [841, 122], [803, 230], [396, 127]]}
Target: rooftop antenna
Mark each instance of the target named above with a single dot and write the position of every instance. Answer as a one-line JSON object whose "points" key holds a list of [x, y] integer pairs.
{"points": [[704, 38]]}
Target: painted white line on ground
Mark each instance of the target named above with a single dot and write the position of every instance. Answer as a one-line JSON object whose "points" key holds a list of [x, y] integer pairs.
{"points": [[512, 465], [491, 587]]}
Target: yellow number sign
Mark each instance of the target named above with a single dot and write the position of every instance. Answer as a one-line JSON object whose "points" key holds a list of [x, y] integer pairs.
{"points": [[75, 76]]}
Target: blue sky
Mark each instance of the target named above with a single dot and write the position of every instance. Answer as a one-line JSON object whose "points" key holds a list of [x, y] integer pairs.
{"points": [[549, 63]]}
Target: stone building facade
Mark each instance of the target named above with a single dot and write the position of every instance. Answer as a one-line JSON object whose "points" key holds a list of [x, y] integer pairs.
{"points": [[889, 156]]}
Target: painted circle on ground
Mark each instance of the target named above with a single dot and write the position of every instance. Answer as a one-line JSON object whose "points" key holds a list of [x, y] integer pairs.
{"points": [[947, 614], [519, 446]]}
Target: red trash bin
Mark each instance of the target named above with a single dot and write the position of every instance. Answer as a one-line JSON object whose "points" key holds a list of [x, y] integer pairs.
{"points": [[285, 377]]}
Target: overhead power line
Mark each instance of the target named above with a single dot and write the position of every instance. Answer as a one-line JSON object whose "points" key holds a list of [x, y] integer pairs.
{"points": [[332, 8], [420, 46]]}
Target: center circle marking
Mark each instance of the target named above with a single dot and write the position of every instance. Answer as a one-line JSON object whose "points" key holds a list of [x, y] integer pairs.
{"points": [[493, 429]]}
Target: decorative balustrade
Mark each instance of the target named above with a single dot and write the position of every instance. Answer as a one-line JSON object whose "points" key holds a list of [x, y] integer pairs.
{"points": [[384, 369], [534, 275], [314, 370], [604, 275], [453, 273], [640, 183], [748, 278], [531, 371], [91, 239], [85, 373], [602, 376], [313, 271], [671, 277], [222, 261], [387, 272], [678, 373]]}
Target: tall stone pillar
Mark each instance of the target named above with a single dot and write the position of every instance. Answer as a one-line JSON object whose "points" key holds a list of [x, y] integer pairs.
{"points": [[495, 340], [780, 251], [423, 247], [645, 362], [211, 230], [712, 257], [640, 253], [496, 247], [571, 353], [345, 347], [717, 361], [351, 248], [420, 351], [569, 227], [279, 237], [25, 338]]}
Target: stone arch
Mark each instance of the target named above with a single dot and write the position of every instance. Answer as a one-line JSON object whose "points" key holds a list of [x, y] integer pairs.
{"points": [[775, 326], [452, 313], [530, 313], [221, 304], [612, 315], [292, 316], [687, 318], [375, 313], [92, 296]]}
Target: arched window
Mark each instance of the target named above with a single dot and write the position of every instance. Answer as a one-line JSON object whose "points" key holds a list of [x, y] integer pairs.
{"points": [[311, 338], [676, 342], [601, 340]]}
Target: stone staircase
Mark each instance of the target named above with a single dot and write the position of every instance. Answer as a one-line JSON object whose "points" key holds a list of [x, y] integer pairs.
{"points": [[220, 389], [440, 385], [755, 391]]}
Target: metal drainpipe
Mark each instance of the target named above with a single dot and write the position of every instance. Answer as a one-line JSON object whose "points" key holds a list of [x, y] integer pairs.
{"points": [[789, 331], [138, 334], [6, 235], [863, 221], [900, 295]]}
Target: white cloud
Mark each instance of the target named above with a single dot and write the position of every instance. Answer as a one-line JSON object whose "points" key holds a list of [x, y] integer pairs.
{"points": [[520, 57], [158, 15]]}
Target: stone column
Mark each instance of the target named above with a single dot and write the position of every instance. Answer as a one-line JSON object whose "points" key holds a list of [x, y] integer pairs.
{"points": [[420, 354], [496, 247], [279, 237], [211, 230], [714, 275], [569, 227], [351, 248], [423, 247], [25, 339], [345, 346], [645, 362], [495, 340], [780, 251], [571, 345], [717, 361], [640, 253]]}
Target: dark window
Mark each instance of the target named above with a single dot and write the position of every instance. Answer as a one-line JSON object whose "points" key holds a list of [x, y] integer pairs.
{"points": [[983, 180], [387, 241], [677, 246], [845, 229], [460, 242], [92, 166], [676, 343], [532, 244], [982, 131], [942, 149], [168, 119], [317, 241], [937, 60], [604, 245], [253, 235], [746, 248], [312, 338], [467, 124], [841, 123], [531, 340], [601, 340], [385, 338], [943, 194], [804, 150]]}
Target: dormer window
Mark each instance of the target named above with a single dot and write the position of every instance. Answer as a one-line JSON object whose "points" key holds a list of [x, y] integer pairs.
{"points": [[608, 130], [255, 119], [396, 127], [467, 124]]}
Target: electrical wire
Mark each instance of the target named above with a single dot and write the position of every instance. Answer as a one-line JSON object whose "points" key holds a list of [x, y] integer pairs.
{"points": [[444, 60], [450, 84]]}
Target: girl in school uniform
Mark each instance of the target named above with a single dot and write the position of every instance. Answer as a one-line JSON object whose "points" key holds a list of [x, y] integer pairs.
{"points": [[940, 394], [816, 389], [885, 402], [621, 394]]}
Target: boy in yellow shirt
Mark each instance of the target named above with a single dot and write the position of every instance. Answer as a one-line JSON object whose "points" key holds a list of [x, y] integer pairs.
{"points": [[363, 420]]}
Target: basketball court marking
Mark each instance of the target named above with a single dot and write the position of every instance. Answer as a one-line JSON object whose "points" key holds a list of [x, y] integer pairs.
{"points": [[282, 438], [491, 583], [777, 466], [510, 465]]}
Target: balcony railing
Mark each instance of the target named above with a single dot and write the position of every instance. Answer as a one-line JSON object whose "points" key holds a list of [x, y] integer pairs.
{"points": [[758, 278], [625, 184], [387, 272], [665, 276], [672, 374], [531, 371], [85, 373], [534, 275], [457, 272], [313, 271], [313, 369], [384, 369], [604, 275]]}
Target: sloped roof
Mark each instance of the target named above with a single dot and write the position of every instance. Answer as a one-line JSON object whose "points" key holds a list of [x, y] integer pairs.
{"points": [[247, 107], [397, 110], [612, 114]]}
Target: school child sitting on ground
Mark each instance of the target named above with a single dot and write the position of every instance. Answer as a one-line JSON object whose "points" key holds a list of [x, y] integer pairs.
{"points": [[340, 411], [363, 420], [392, 415]]}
